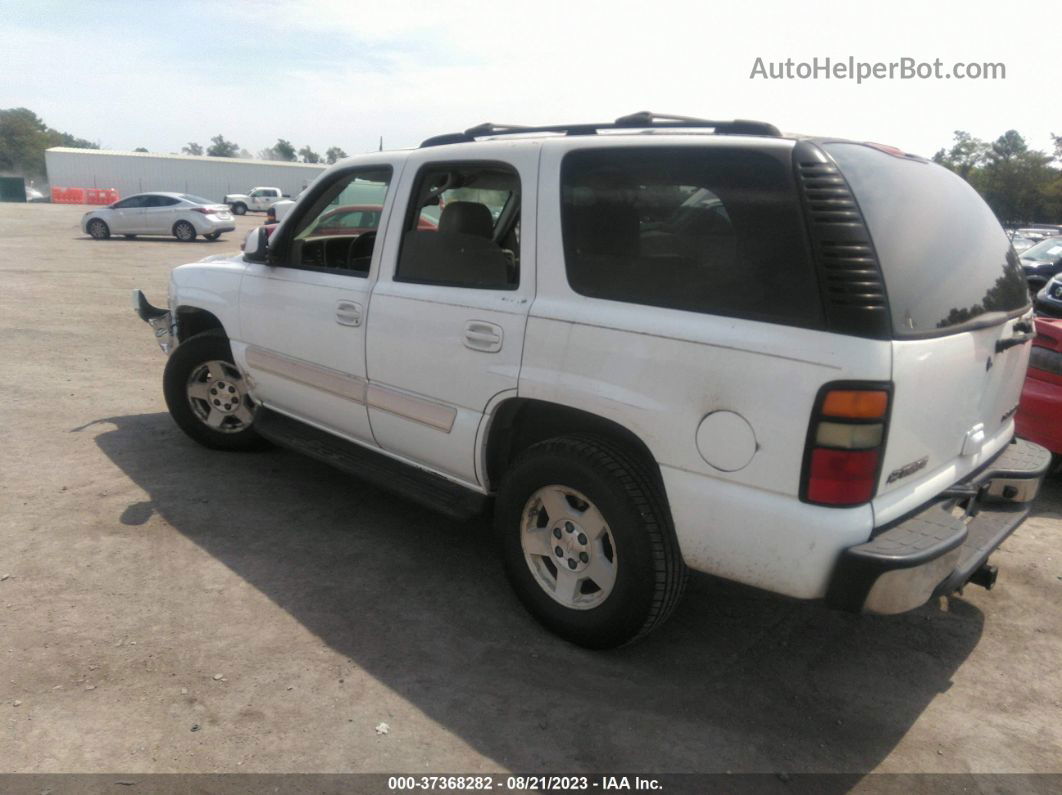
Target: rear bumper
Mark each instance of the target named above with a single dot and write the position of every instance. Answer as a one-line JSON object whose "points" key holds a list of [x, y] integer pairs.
{"points": [[205, 225], [939, 548]]}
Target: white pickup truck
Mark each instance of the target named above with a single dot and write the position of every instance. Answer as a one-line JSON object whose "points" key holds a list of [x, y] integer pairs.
{"points": [[260, 199]]}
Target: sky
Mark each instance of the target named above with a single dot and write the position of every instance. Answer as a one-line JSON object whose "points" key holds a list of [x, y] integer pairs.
{"points": [[344, 73]]}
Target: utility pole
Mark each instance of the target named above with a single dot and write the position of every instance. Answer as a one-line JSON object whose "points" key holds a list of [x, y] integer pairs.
{"points": [[381, 143]]}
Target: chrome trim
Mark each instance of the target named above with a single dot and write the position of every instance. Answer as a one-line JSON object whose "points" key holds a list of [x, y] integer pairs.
{"points": [[900, 590], [426, 412], [354, 388], [334, 382]]}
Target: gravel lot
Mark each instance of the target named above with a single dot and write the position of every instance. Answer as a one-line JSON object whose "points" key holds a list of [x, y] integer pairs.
{"points": [[165, 608]]}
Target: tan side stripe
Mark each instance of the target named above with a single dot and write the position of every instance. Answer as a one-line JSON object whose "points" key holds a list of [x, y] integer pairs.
{"points": [[333, 381], [426, 412]]}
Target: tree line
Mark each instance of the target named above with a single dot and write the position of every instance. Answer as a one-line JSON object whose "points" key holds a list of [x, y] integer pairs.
{"points": [[24, 136], [1021, 185], [282, 150]]}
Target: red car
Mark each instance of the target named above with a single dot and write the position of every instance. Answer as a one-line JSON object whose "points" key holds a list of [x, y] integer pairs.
{"points": [[356, 219], [1039, 417], [352, 220]]}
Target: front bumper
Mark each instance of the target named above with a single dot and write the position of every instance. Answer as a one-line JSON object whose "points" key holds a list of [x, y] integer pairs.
{"points": [[941, 547], [161, 320]]}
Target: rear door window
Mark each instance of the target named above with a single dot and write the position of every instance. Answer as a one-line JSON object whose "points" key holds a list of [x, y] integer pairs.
{"points": [[463, 228], [945, 259], [713, 230]]}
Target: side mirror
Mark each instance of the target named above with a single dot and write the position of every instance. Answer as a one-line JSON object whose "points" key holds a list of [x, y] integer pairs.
{"points": [[256, 246]]}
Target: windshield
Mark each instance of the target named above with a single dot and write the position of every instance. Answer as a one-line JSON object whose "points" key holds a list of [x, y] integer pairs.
{"points": [[944, 257], [188, 197], [1046, 250]]}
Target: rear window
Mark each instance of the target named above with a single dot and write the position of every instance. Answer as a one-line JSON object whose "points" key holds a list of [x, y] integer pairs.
{"points": [[945, 259], [712, 230]]}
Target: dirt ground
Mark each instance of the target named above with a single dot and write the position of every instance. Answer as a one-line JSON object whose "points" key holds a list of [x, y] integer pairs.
{"points": [[165, 608]]}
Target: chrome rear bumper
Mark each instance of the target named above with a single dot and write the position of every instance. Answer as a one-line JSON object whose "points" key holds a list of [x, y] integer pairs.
{"points": [[942, 546]]}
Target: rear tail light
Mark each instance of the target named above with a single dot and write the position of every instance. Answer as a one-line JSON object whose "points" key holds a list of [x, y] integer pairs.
{"points": [[204, 210], [845, 444]]}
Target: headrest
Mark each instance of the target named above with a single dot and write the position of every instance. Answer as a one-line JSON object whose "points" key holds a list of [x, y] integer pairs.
{"points": [[466, 218]]}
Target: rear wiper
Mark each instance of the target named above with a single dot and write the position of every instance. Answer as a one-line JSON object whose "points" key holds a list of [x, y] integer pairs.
{"points": [[1024, 333]]}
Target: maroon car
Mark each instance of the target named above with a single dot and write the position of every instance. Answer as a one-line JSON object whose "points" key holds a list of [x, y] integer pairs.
{"points": [[351, 221], [357, 219], [1039, 416]]}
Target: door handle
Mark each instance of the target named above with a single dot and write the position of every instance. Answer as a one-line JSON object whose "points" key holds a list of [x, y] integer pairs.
{"points": [[483, 336], [348, 313]]}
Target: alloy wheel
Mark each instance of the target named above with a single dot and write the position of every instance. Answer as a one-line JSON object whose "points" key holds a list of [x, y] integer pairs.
{"points": [[568, 547], [216, 394]]}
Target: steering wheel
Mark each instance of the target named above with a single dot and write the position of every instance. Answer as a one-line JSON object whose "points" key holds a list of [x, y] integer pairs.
{"points": [[361, 249]]}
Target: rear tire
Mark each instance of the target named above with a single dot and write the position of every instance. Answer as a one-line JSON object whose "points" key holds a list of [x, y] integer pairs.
{"points": [[207, 397], [239, 208], [98, 229], [212, 236], [184, 231], [587, 541]]}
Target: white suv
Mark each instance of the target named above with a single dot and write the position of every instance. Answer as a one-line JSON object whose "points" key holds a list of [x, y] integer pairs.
{"points": [[651, 345]]}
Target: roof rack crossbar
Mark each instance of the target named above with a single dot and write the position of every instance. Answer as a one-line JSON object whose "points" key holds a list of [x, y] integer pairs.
{"points": [[641, 120]]}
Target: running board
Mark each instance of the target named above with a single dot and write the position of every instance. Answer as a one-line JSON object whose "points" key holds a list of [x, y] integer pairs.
{"points": [[416, 485]]}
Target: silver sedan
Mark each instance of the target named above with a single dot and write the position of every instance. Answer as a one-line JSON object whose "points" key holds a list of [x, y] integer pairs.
{"points": [[179, 214]]}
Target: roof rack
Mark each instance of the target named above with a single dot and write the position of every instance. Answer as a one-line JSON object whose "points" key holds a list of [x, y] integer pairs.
{"points": [[643, 120]]}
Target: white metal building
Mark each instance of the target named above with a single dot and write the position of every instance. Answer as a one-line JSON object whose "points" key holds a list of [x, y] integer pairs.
{"points": [[136, 172]]}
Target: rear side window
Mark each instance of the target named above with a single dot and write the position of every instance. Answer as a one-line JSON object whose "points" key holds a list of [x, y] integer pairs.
{"points": [[713, 230], [945, 259], [463, 228], [160, 201]]}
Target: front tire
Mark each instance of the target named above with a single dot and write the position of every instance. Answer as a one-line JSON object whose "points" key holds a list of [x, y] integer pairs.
{"points": [[587, 541], [239, 208], [206, 395], [184, 231], [98, 229], [212, 236]]}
